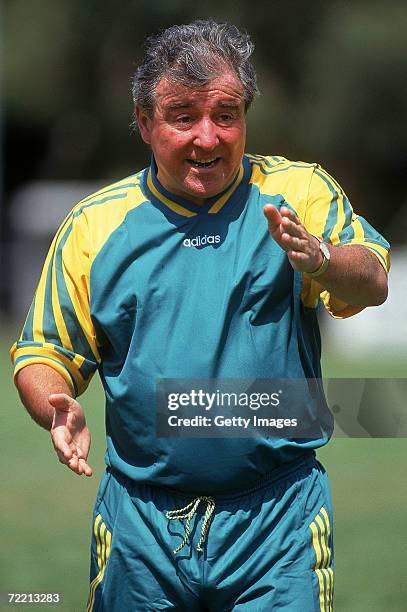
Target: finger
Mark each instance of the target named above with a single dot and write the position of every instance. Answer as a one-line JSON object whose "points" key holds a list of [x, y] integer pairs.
{"points": [[85, 468], [62, 457], [298, 257], [73, 463], [273, 217], [287, 213], [82, 452], [61, 445], [298, 260], [292, 243], [79, 466], [292, 228]]}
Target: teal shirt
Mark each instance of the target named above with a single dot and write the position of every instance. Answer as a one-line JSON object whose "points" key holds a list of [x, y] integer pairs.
{"points": [[144, 285]]}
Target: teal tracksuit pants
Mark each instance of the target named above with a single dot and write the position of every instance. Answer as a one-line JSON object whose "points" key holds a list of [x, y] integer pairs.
{"points": [[267, 548]]}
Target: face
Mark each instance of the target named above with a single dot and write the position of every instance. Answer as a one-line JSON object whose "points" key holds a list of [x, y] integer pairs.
{"points": [[197, 135]]}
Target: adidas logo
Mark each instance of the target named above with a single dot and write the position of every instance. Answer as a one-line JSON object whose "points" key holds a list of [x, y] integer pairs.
{"points": [[201, 241]]}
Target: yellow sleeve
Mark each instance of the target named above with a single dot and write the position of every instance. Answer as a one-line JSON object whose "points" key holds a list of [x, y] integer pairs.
{"points": [[329, 215], [58, 331]]}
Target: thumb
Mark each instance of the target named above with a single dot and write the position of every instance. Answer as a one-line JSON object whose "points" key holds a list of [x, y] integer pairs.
{"points": [[61, 401]]}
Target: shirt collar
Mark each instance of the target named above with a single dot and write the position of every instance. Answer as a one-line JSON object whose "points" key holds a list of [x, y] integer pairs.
{"points": [[184, 207]]}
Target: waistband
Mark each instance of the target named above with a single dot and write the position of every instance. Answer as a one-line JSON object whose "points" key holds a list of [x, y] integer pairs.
{"points": [[275, 477], [190, 510]]}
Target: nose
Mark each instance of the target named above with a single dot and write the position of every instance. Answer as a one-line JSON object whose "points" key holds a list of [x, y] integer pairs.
{"points": [[206, 136]]}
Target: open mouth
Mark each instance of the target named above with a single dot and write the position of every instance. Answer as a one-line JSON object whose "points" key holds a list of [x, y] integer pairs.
{"points": [[203, 163]]}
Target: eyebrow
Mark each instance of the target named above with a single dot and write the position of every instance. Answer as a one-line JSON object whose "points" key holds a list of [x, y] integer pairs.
{"points": [[180, 105], [229, 104], [177, 105]]}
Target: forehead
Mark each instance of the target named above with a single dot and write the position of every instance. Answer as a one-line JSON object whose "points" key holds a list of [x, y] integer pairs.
{"points": [[225, 89]]}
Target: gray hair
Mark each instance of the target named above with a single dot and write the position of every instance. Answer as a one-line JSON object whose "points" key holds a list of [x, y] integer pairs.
{"points": [[194, 54]]}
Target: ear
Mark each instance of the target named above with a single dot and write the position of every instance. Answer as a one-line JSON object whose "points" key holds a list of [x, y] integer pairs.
{"points": [[144, 123]]}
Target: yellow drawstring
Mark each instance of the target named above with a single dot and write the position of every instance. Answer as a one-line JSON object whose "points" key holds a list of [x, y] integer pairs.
{"points": [[187, 513]]}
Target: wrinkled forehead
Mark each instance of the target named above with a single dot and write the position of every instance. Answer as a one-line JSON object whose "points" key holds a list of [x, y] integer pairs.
{"points": [[223, 90]]}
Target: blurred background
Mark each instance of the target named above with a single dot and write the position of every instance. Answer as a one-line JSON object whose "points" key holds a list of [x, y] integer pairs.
{"points": [[333, 79]]}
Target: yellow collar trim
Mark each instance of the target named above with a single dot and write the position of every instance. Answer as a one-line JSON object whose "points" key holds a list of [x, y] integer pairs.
{"points": [[216, 207], [172, 205], [181, 210]]}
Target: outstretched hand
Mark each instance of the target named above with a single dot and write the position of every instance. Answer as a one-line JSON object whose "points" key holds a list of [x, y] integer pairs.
{"points": [[69, 433], [287, 230]]}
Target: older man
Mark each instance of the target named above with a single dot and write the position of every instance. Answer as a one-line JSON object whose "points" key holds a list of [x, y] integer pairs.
{"points": [[207, 264]]}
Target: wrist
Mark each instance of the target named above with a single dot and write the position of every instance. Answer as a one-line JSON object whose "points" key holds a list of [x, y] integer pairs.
{"points": [[324, 259]]}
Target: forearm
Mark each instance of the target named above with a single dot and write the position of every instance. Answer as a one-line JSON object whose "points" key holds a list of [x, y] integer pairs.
{"points": [[35, 383], [355, 276]]}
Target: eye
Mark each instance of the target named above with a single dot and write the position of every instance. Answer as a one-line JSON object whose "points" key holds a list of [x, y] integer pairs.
{"points": [[184, 119], [226, 117]]}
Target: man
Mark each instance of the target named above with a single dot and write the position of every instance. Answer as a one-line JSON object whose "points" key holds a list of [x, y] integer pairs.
{"points": [[208, 264]]}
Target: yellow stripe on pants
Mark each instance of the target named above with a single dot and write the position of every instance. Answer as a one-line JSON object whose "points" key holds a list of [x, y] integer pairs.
{"points": [[103, 539], [321, 532], [320, 576]]}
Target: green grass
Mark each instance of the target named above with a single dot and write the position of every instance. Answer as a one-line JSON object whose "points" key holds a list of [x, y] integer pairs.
{"points": [[46, 509]]}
